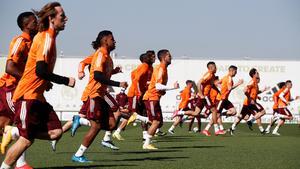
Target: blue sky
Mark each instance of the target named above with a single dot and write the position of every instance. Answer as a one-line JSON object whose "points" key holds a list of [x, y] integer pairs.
{"points": [[211, 29]]}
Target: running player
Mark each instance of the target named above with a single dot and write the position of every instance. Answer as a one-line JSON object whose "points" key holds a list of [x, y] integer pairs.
{"points": [[99, 113], [204, 87], [15, 65], [277, 90], [283, 102], [35, 118], [183, 105], [250, 106], [156, 89]]}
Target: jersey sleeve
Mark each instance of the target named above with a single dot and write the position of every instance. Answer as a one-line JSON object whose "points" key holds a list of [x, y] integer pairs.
{"points": [[99, 63], [84, 63], [16, 49]]}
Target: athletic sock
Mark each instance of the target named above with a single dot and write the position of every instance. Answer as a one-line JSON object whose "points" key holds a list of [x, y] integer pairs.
{"points": [[275, 129], [147, 139], [233, 126], [15, 133], [216, 127], [118, 130], [172, 127], [142, 118], [4, 166], [84, 122], [107, 136], [252, 120], [80, 151], [268, 127], [21, 160], [144, 134], [221, 127], [261, 128], [207, 127]]}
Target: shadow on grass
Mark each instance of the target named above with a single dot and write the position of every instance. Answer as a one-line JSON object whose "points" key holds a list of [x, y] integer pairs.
{"points": [[125, 152], [87, 166], [184, 147], [153, 159]]}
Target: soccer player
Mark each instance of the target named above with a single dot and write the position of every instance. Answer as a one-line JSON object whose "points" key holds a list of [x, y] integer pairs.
{"points": [[283, 102], [156, 89], [204, 87], [122, 101], [99, 113], [250, 105], [275, 116], [15, 65], [183, 105], [35, 118]]}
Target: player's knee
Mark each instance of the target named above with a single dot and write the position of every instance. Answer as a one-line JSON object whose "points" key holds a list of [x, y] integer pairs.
{"points": [[55, 134]]}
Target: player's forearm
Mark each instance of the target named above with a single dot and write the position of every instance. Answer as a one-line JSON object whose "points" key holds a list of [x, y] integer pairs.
{"points": [[100, 77], [160, 86], [42, 72], [13, 70]]}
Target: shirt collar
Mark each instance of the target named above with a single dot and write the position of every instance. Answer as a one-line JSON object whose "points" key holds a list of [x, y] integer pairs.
{"points": [[26, 36]]}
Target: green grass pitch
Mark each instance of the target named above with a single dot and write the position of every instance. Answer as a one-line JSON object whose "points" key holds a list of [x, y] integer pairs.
{"points": [[246, 150]]}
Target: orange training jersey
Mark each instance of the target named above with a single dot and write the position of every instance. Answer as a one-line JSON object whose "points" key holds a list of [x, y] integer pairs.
{"points": [[86, 61], [159, 75], [276, 97], [18, 53], [43, 49], [225, 83], [214, 94], [185, 98], [287, 95], [206, 83], [252, 90], [132, 88], [139, 80], [101, 62]]}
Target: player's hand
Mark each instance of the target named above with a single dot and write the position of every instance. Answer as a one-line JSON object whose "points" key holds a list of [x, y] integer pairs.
{"points": [[81, 75], [252, 101], [49, 86], [118, 69], [241, 81], [176, 85], [71, 82], [124, 85]]}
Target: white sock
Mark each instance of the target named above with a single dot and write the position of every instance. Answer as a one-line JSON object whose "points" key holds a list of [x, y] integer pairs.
{"points": [[261, 129], [221, 127], [142, 118], [252, 120], [157, 130], [144, 134], [107, 136], [181, 112], [4, 166], [84, 122], [172, 127], [15, 133], [118, 130], [21, 160], [207, 127], [81, 150], [268, 127], [147, 139], [276, 129], [216, 127], [233, 126]]}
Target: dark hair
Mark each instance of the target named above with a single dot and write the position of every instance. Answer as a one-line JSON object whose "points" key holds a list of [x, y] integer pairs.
{"points": [[162, 53], [232, 67], [288, 81], [210, 63], [281, 84], [252, 72], [22, 18], [44, 13], [143, 57], [97, 43], [216, 78], [188, 81], [150, 52]]}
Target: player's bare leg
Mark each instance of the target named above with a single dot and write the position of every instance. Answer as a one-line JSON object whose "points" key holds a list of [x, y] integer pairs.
{"points": [[174, 125], [4, 121], [151, 132], [15, 151], [107, 141]]}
